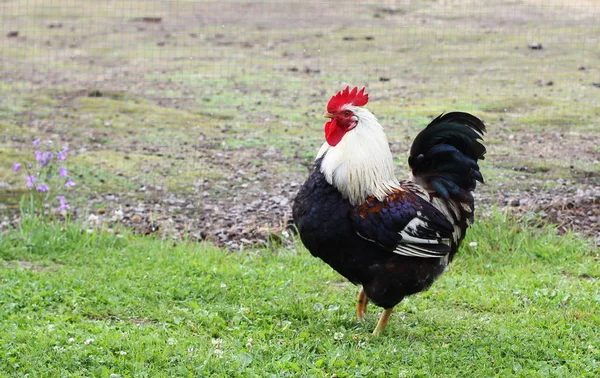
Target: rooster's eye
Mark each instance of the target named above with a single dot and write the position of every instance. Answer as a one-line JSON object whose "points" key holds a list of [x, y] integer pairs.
{"points": [[347, 113]]}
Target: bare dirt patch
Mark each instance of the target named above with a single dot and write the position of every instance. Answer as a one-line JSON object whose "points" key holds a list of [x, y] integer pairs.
{"points": [[569, 207], [28, 265], [199, 119]]}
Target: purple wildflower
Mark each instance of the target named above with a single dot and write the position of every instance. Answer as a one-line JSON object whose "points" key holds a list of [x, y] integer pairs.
{"points": [[61, 155], [30, 181], [63, 205], [65, 148], [70, 183], [42, 188], [16, 167], [43, 157], [36, 142], [62, 172]]}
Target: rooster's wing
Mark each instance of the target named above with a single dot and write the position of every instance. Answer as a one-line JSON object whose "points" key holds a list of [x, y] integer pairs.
{"points": [[404, 223]]}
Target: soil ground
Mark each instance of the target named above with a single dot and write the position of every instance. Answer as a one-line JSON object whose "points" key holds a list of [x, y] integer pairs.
{"points": [[200, 120]]}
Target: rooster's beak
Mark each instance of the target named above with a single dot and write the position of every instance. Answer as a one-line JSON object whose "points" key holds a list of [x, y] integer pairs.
{"points": [[327, 115]]}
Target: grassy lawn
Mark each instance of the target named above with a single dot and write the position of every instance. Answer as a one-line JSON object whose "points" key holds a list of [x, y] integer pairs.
{"points": [[523, 302], [205, 113]]}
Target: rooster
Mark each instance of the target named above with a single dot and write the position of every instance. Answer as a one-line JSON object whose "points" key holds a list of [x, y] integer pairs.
{"points": [[394, 238]]}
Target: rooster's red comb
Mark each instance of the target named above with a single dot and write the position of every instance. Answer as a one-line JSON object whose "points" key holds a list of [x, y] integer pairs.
{"points": [[347, 96]]}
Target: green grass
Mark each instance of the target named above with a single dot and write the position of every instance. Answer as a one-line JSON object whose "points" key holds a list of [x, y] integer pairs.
{"points": [[522, 303]]}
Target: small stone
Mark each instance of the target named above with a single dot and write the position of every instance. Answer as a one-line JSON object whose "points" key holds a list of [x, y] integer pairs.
{"points": [[271, 151], [136, 218], [535, 46]]}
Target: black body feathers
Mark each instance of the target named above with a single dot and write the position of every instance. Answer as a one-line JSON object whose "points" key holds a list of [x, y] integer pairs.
{"points": [[340, 234]]}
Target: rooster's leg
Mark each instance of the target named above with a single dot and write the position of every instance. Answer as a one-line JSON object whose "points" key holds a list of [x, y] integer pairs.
{"points": [[383, 321], [361, 304]]}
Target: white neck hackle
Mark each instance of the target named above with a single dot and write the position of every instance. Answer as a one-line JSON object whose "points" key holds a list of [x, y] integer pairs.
{"points": [[361, 164]]}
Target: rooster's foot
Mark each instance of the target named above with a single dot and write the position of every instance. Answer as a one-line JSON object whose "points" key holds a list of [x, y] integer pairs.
{"points": [[361, 304], [383, 321]]}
